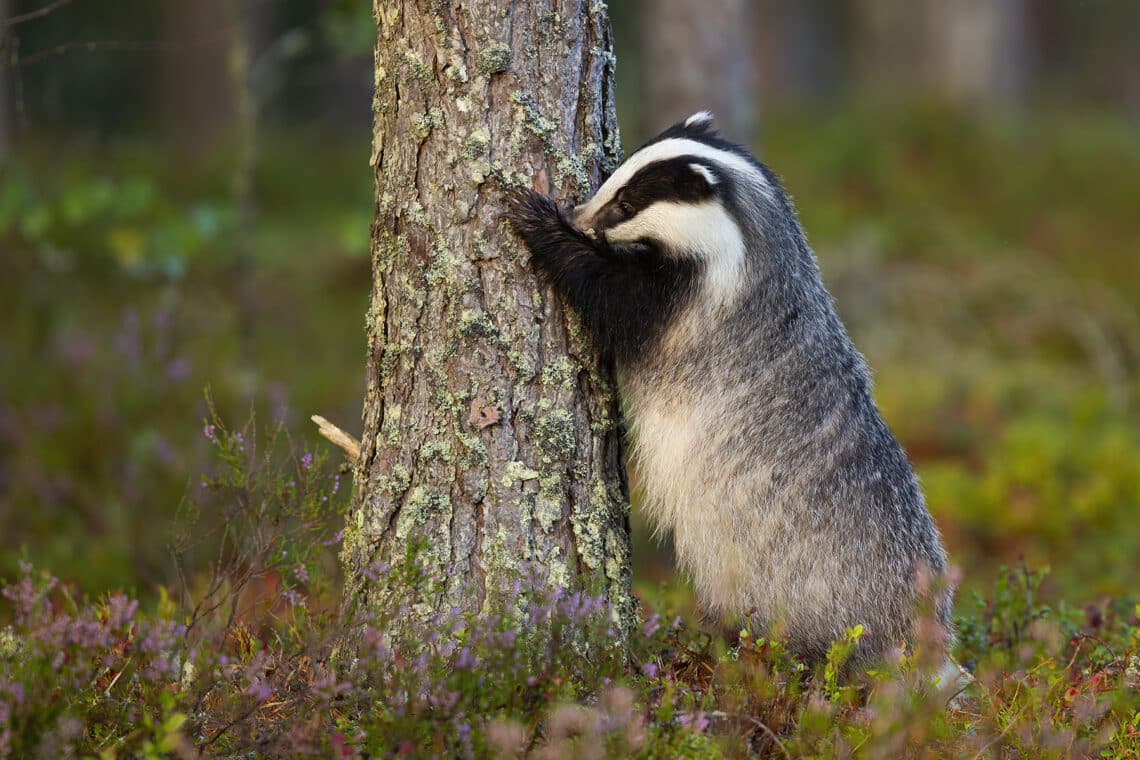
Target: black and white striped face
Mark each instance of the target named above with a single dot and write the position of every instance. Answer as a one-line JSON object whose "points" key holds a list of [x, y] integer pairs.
{"points": [[683, 192]]}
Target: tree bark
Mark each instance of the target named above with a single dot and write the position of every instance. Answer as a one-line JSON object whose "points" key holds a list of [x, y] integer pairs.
{"points": [[490, 429]]}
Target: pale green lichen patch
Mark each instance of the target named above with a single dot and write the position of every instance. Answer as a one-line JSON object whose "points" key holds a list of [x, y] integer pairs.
{"points": [[592, 526], [416, 214], [477, 144], [476, 453], [557, 571], [516, 472], [494, 59], [555, 436], [417, 70], [424, 123], [532, 115], [503, 564], [396, 482], [390, 428], [436, 450], [521, 365], [476, 324], [560, 373], [483, 251], [420, 508], [441, 269], [457, 71], [388, 250], [589, 530], [617, 563], [548, 511], [389, 356], [573, 167]]}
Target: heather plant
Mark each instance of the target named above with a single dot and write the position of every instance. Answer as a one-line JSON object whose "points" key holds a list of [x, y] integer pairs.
{"points": [[250, 656]]}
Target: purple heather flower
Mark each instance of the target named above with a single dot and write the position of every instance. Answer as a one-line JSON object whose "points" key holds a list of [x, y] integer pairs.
{"points": [[178, 369], [301, 573], [465, 661], [307, 461], [697, 722], [121, 610], [128, 339], [293, 598], [259, 690], [651, 626]]}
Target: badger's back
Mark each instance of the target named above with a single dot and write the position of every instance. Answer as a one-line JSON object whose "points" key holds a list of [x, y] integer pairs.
{"points": [[760, 449]]}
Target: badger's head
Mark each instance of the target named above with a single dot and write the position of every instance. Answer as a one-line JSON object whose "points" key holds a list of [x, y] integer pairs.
{"points": [[689, 193]]}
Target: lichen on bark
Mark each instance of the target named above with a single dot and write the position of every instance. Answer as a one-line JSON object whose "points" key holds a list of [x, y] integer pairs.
{"points": [[489, 424]]}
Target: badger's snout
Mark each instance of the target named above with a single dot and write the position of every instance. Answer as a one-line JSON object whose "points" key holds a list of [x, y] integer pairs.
{"points": [[583, 221], [582, 217]]}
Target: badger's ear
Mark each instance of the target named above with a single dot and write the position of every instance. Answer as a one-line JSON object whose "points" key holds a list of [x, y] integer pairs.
{"points": [[699, 123], [704, 175]]}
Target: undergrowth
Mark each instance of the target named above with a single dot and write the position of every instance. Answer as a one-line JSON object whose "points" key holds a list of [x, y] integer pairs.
{"points": [[249, 657]]}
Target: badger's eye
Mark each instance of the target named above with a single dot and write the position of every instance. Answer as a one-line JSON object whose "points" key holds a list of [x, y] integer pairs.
{"points": [[626, 209]]}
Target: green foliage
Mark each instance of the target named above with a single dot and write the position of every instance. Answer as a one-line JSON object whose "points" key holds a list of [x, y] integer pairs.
{"points": [[105, 361], [349, 26], [91, 222]]}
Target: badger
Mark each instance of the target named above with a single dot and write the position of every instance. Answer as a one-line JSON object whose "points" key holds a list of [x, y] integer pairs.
{"points": [[752, 426]]}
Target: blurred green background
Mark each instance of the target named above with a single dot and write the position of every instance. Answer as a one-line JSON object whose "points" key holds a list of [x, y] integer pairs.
{"points": [[185, 201]]}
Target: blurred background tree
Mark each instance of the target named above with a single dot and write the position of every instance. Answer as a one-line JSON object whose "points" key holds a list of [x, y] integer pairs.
{"points": [[967, 171]]}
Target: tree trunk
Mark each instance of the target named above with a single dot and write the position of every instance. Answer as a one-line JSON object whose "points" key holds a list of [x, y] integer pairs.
{"points": [[698, 55], [979, 51], [5, 61], [490, 430], [197, 111], [888, 46], [798, 51]]}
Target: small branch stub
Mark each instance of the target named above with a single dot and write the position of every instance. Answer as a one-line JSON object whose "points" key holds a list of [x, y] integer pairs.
{"points": [[343, 440]]}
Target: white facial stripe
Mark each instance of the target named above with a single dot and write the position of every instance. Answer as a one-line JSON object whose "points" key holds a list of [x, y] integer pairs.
{"points": [[705, 172], [705, 230], [700, 117], [663, 151]]}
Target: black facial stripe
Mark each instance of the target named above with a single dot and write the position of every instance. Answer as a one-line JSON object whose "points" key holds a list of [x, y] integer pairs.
{"points": [[704, 132], [672, 180]]}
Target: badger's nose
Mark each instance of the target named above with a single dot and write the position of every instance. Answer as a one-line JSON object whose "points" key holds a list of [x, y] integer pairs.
{"points": [[580, 215]]}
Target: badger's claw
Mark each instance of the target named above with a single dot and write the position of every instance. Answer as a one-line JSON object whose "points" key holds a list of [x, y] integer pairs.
{"points": [[534, 216]]}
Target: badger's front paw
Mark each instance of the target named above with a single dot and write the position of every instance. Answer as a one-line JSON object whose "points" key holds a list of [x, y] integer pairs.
{"points": [[535, 217]]}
